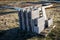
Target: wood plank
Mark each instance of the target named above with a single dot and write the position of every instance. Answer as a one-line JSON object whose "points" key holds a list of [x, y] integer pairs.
{"points": [[47, 30]]}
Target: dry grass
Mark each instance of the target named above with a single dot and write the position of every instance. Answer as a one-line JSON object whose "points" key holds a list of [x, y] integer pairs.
{"points": [[8, 20]]}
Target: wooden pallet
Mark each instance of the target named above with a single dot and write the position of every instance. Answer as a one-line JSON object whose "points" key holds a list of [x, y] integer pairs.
{"points": [[46, 31]]}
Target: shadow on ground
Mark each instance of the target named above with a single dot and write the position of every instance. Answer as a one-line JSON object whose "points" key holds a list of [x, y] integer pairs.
{"points": [[16, 34]]}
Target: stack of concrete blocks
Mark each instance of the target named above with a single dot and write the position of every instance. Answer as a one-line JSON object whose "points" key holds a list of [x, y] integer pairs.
{"points": [[38, 22], [30, 19], [50, 22]]}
